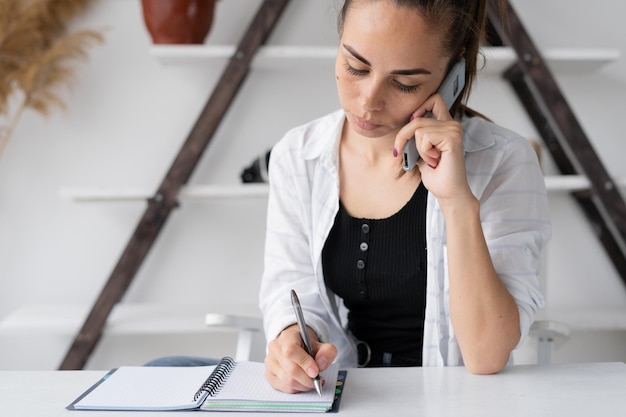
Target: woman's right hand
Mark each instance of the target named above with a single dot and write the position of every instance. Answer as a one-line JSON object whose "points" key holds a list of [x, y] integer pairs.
{"points": [[289, 368]]}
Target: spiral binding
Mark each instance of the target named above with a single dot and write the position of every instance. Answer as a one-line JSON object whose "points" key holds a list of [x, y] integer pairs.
{"points": [[217, 379]]}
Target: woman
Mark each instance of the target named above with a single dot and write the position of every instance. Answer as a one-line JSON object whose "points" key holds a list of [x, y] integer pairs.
{"points": [[433, 267]]}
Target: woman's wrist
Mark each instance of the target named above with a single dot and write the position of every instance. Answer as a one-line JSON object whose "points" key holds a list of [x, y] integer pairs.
{"points": [[294, 328], [459, 206]]}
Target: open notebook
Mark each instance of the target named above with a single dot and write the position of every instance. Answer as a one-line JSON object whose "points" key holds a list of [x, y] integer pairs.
{"points": [[229, 386]]}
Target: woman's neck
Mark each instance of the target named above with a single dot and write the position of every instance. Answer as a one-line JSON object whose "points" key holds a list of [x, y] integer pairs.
{"points": [[372, 151]]}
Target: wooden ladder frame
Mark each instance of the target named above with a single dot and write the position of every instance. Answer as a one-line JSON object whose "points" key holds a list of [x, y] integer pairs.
{"points": [[165, 199], [573, 153]]}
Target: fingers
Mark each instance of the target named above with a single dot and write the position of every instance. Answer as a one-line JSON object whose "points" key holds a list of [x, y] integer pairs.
{"points": [[428, 134], [283, 379], [402, 138], [326, 354], [432, 141], [425, 118], [439, 109], [289, 368]]}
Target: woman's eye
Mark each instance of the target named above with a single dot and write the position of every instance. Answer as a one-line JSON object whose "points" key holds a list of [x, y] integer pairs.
{"points": [[406, 88], [355, 71], [398, 85]]}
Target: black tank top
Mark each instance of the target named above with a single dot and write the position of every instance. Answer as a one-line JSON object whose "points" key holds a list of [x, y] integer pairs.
{"points": [[378, 268]]}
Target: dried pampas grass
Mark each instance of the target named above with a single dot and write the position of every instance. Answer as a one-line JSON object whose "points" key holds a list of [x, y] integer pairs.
{"points": [[36, 54]]}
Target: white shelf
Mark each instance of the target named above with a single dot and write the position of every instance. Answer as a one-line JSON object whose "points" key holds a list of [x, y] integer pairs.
{"points": [[588, 319], [570, 183], [498, 58], [266, 56], [125, 319], [555, 183], [580, 60], [191, 192], [561, 60]]}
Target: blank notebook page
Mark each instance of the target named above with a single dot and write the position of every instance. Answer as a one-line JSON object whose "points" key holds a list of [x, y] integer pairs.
{"points": [[148, 387], [247, 383]]}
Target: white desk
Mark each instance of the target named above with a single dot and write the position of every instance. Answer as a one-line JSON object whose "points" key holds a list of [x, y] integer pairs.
{"points": [[530, 391]]}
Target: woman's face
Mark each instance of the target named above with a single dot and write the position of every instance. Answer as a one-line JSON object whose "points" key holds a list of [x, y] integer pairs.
{"points": [[389, 62]]}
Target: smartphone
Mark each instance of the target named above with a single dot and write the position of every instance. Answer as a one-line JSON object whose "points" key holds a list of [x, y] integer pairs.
{"points": [[450, 89]]}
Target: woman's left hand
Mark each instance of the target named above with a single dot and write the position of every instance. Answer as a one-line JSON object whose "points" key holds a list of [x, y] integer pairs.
{"points": [[439, 141]]}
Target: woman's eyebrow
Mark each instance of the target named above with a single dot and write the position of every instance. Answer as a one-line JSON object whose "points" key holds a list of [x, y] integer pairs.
{"points": [[356, 54], [411, 71]]}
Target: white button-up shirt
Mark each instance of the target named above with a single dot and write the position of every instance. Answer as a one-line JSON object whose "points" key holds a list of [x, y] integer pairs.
{"points": [[504, 175]]}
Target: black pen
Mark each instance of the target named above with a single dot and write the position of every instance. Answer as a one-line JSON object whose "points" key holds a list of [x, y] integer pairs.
{"points": [[305, 336]]}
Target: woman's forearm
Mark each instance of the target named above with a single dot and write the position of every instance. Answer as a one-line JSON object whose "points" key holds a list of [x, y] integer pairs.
{"points": [[483, 312]]}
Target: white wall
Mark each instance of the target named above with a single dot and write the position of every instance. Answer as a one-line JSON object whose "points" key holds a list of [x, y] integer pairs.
{"points": [[129, 114]]}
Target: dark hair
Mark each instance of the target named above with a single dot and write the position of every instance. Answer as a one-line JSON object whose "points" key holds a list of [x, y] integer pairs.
{"points": [[464, 21]]}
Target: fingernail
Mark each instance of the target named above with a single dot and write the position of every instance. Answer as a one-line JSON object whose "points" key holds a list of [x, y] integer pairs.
{"points": [[432, 166], [312, 372], [395, 152]]}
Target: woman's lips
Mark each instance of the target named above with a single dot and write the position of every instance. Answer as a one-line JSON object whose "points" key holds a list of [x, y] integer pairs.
{"points": [[364, 124]]}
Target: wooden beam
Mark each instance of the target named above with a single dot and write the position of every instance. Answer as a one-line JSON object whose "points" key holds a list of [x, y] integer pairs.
{"points": [[165, 199], [548, 131], [565, 138], [584, 198]]}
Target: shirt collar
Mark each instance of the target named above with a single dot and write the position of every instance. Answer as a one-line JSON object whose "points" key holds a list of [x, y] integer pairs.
{"points": [[477, 134]]}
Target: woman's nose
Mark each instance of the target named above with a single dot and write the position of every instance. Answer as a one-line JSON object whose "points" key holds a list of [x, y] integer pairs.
{"points": [[372, 96]]}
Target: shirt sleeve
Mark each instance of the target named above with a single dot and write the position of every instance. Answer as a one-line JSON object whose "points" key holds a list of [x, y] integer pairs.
{"points": [[288, 261], [516, 224]]}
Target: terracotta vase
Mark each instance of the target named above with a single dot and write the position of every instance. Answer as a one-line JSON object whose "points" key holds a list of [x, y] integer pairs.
{"points": [[178, 21]]}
